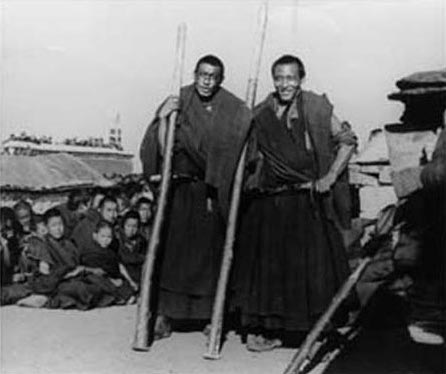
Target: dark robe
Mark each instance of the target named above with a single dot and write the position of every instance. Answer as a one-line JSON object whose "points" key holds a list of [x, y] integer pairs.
{"points": [[70, 218], [132, 254], [82, 235], [84, 291], [61, 256], [289, 256], [207, 148], [106, 259]]}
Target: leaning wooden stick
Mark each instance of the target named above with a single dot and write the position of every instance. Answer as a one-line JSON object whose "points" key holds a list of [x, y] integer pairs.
{"points": [[304, 350], [213, 351], [383, 227], [144, 315]]}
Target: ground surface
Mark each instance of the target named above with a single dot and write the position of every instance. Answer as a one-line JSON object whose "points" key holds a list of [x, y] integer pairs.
{"points": [[40, 341]]}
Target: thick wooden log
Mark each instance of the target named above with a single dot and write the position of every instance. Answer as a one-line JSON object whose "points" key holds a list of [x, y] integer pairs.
{"points": [[143, 334], [303, 353], [213, 352]]}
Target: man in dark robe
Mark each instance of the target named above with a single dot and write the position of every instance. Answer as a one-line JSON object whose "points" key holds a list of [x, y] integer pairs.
{"points": [[82, 235], [74, 209], [212, 127], [290, 258]]}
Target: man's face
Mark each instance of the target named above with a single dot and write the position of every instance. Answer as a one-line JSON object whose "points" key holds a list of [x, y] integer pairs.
{"points": [[207, 80], [145, 213], [24, 217], [109, 211], [131, 226], [55, 227], [103, 237], [286, 81]]}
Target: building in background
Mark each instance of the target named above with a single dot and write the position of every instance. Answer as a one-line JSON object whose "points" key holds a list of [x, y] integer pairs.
{"points": [[108, 158]]}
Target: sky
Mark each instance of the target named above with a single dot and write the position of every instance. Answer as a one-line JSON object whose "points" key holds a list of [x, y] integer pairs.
{"points": [[68, 67]]}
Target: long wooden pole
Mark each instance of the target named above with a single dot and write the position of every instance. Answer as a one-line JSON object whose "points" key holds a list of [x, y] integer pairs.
{"points": [[302, 357], [213, 352], [302, 354], [144, 315]]}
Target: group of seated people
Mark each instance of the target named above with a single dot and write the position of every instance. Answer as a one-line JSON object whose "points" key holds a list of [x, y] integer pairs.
{"points": [[85, 253]]}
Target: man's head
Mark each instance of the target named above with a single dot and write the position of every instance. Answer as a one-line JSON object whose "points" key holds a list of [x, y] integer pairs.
{"points": [[108, 208], [209, 74], [24, 214], [78, 201], [130, 224], [288, 72], [41, 228], [144, 208], [54, 223], [97, 194], [103, 234]]}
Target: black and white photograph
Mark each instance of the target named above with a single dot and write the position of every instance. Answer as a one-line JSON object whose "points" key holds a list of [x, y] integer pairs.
{"points": [[223, 186]]}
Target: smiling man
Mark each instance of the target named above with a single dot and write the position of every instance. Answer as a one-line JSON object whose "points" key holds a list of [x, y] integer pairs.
{"points": [[290, 258], [212, 127]]}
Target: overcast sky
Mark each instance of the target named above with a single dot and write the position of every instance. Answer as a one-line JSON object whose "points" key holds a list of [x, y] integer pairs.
{"points": [[69, 66]]}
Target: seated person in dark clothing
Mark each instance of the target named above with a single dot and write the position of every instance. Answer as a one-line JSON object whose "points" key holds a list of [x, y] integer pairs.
{"points": [[80, 282], [97, 194], [145, 209], [57, 254], [25, 216], [74, 209], [82, 235], [132, 245], [9, 244], [46, 259], [32, 247], [100, 256], [26, 225]]}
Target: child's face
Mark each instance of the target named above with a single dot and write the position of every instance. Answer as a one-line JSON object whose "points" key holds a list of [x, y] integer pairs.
{"points": [[145, 212], [130, 227], [109, 211], [55, 227], [103, 237], [41, 229]]}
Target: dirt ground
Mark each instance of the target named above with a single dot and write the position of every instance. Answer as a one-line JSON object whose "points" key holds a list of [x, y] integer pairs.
{"points": [[40, 341]]}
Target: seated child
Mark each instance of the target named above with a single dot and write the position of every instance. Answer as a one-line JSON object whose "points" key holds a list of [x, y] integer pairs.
{"points": [[47, 258], [33, 247], [103, 261], [132, 245], [9, 244], [144, 207]]}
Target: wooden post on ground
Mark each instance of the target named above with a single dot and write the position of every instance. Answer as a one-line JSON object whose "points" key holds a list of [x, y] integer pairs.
{"points": [[144, 315], [213, 352], [302, 354]]}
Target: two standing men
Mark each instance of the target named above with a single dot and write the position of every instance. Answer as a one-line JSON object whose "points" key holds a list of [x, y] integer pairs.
{"points": [[290, 258]]}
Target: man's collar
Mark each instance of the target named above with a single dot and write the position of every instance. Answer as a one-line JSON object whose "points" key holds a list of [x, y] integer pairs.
{"points": [[292, 111]]}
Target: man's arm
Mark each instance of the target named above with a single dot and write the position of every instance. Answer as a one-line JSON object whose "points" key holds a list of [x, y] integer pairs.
{"points": [[171, 104], [346, 141]]}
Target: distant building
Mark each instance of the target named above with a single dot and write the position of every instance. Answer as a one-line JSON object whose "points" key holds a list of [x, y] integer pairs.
{"points": [[109, 159]]}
